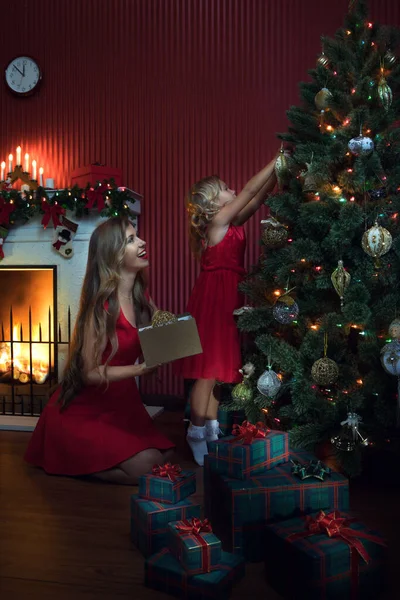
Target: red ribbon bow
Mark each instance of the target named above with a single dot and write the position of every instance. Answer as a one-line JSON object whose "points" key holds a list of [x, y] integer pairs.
{"points": [[167, 470], [51, 211], [195, 527], [6, 208], [333, 525], [95, 195], [247, 432]]}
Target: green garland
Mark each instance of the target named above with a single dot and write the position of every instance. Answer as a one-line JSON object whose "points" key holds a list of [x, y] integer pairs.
{"points": [[104, 198]]}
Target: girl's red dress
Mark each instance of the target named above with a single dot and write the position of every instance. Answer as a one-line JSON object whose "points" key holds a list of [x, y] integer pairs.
{"points": [[214, 298], [101, 427]]}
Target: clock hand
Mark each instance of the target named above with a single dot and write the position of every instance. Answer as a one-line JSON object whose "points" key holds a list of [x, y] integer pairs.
{"points": [[23, 71], [18, 70]]}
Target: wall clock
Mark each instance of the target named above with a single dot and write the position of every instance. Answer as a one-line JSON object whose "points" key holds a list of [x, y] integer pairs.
{"points": [[23, 75]]}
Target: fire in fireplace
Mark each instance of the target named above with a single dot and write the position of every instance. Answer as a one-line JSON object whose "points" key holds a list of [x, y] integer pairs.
{"points": [[28, 338]]}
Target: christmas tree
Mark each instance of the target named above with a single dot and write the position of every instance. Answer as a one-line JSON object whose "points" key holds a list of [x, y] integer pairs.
{"points": [[325, 294]]}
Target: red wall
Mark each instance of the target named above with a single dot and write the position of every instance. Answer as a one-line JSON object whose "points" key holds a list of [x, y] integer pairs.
{"points": [[168, 90]]}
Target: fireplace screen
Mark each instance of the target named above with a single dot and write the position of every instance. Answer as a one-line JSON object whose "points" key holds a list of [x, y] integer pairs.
{"points": [[28, 339]]}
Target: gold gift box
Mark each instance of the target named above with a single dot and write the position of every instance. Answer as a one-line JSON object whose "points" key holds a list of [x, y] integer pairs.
{"points": [[164, 343]]}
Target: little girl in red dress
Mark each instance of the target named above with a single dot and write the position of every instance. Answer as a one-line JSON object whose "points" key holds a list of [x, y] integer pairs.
{"points": [[217, 238]]}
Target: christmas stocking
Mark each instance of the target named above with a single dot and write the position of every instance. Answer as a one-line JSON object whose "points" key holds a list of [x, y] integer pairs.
{"points": [[64, 234], [3, 235]]}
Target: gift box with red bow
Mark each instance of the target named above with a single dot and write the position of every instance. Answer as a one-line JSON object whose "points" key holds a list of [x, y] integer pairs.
{"points": [[167, 484], [149, 521], [251, 450], [165, 574], [325, 556], [240, 510], [194, 545]]}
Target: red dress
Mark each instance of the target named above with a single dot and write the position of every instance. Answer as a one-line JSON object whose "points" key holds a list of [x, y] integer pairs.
{"points": [[100, 428], [214, 298]]}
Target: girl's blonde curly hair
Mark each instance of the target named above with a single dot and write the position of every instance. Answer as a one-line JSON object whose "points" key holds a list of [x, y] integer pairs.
{"points": [[202, 206]]}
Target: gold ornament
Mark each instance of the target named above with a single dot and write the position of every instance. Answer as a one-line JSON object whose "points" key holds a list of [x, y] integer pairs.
{"points": [[284, 165], [322, 99], [376, 241], [312, 180], [274, 233], [242, 391], [394, 329], [389, 58], [163, 317], [341, 280], [323, 60], [325, 371], [385, 94]]}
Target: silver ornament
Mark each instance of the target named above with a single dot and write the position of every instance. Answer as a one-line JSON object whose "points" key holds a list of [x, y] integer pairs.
{"points": [[390, 358], [349, 436], [361, 145], [269, 383], [376, 241], [394, 329], [285, 310]]}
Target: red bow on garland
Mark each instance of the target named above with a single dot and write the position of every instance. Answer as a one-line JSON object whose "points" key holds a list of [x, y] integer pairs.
{"points": [[196, 527], [95, 195], [51, 211], [333, 525], [6, 208], [167, 470], [247, 432]]}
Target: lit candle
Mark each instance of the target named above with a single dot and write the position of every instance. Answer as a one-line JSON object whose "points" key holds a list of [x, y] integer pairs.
{"points": [[41, 176], [34, 173], [19, 156], [26, 163], [10, 157], [3, 170]]}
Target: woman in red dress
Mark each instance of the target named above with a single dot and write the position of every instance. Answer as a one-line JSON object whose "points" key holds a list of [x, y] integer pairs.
{"points": [[217, 238], [96, 423]]}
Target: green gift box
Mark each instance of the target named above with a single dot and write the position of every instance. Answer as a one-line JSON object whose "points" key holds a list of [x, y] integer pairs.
{"points": [[328, 556], [167, 484], [165, 574], [149, 521], [240, 510], [239, 458], [194, 545]]}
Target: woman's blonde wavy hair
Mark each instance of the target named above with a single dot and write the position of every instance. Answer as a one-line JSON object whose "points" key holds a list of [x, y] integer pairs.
{"points": [[202, 206], [100, 286]]}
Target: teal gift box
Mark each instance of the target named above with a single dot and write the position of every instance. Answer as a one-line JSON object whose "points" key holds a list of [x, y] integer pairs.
{"points": [[233, 457], [240, 510], [164, 574], [167, 484], [228, 418], [328, 556], [149, 521], [194, 545]]}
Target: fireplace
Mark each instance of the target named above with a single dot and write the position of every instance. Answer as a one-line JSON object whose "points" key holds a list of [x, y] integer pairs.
{"points": [[29, 338]]}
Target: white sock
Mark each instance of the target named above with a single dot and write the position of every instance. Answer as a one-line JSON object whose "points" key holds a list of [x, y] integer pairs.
{"points": [[196, 438], [212, 430]]}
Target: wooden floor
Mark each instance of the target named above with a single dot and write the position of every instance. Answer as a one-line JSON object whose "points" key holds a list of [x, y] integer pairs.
{"points": [[67, 539]]}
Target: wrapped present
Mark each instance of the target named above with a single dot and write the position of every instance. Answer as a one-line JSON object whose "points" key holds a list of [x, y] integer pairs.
{"points": [[328, 556], [167, 484], [251, 450], [228, 418], [194, 545], [164, 574], [239, 510], [149, 521], [169, 338]]}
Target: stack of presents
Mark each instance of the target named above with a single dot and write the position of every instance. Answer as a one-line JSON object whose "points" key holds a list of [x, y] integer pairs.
{"points": [[263, 502]]}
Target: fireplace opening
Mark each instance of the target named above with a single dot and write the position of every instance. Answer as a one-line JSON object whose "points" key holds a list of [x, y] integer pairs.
{"points": [[28, 338]]}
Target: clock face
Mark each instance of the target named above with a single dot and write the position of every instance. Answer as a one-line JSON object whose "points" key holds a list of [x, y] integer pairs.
{"points": [[23, 75]]}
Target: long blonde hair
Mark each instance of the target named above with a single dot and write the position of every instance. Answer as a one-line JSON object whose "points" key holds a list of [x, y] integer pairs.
{"points": [[100, 285], [202, 206]]}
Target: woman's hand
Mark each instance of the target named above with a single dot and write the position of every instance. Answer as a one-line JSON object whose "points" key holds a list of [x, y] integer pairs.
{"points": [[143, 369]]}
